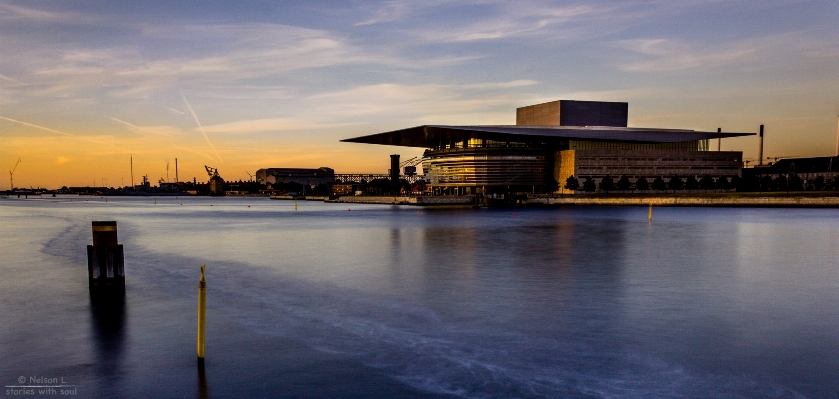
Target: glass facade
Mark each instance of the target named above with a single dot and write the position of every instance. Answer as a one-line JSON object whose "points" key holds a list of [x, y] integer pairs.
{"points": [[471, 167]]}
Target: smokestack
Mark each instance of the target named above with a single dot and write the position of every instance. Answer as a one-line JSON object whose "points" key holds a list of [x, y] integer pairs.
{"points": [[394, 168], [176, 171], [760, 149], [719, 144], [837, 140]]}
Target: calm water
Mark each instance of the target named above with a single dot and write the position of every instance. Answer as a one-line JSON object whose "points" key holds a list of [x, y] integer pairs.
{"points": [[383, 301]]}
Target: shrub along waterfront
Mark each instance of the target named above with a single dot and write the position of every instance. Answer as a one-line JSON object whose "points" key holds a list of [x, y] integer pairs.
{"points": [[673, 184]]}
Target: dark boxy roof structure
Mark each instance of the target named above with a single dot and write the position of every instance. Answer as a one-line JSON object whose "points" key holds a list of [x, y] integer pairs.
{"points": [[426, 135], [804, 165]]}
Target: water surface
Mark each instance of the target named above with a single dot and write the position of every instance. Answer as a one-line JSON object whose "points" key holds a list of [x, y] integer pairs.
{"points": [[398, 301]]}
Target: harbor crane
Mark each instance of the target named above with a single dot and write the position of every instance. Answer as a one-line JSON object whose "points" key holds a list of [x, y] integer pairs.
{"points": [[250, 175], [409, 162], [12, 174], [212, 172], [216, 183], [409, 166]]}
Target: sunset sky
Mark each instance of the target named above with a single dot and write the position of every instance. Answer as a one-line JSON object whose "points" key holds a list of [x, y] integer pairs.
{"points": [[254, 84]]}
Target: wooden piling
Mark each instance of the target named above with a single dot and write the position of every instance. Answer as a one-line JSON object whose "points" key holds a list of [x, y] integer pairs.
{"points": [[202, 319], [105, 260], [650, 214]]}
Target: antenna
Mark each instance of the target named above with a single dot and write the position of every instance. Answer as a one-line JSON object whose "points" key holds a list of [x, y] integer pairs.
{"points": [[11, 176]]}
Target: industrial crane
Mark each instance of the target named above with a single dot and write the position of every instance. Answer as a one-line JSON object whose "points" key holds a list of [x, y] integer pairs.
{"points": [[250, 175], [212, 172], [407, 162], [11, 176], [409, 166]]}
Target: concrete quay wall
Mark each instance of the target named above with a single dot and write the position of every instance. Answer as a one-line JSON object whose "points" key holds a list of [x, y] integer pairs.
{"points": [[407, 200], [729, 200]]}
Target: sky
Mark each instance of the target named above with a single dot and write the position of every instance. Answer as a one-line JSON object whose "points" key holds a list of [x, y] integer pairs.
{"points": [[87, 85]]}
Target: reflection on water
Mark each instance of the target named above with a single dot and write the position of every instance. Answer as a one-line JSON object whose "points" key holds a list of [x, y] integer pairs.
{"points": [[108, 320], [203, 393]]}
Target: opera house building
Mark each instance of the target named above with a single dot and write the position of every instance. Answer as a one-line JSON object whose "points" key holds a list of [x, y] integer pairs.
{"points": [[551, 142]]}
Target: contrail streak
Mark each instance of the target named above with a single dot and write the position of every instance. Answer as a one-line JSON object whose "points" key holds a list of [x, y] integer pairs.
{"points": [[35, 126], [124, 122], [11, 80], [199, 125]]}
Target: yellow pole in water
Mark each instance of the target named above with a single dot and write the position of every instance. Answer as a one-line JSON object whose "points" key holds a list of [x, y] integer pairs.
{"points": [[295, 204], [155, 200], [202, 307], [650, 214]]}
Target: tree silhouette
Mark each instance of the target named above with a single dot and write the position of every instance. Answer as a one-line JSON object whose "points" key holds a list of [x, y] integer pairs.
{"points": [[795, 183], [691, 183], [607, 184], [722, 183], [706, 183], [659, 184], [624, 183], [781, 183], [818, 183], [675, 183], [766, 183], [552, 185], [642, 184], [588, 185], [736, 183], [571, 183]]}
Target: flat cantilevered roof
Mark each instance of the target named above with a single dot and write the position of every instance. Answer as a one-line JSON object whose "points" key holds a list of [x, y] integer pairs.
{"points": [[426, 136]]}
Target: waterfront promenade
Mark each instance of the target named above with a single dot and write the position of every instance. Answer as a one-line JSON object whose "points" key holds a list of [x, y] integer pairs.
{"points": [[759, 199]]}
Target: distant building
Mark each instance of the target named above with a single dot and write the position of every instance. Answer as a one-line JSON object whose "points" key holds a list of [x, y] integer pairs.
{"points": [[296, 175], [554, 141], [807, 169]]}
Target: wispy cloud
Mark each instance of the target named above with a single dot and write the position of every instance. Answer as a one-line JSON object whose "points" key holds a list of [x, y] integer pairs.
{"points": [[664, 55], [8, 79], [167, 131], [434, 103], [389, 12], [516, 21], [271, 125], [11, 12], [46, 129]]}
